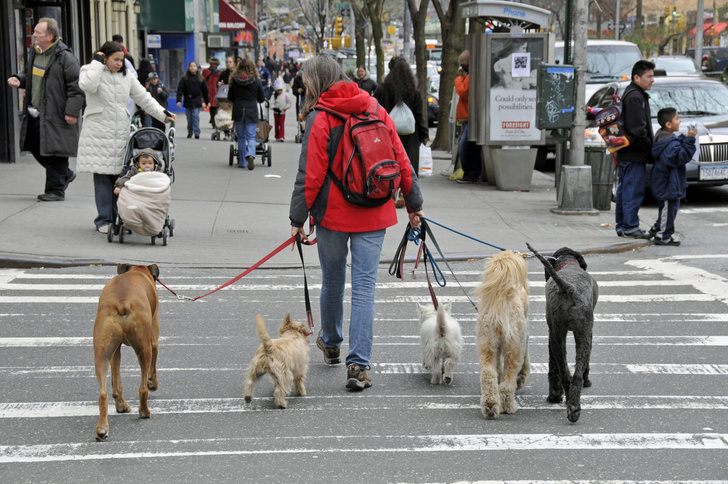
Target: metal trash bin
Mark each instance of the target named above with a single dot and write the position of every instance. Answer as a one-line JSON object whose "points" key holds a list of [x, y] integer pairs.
{"points": [[602, 165]]}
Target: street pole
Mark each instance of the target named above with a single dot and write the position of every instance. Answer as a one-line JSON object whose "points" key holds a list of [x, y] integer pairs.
{"points": [[406, 21], [616, 21], [576, 154], [699, 33]]}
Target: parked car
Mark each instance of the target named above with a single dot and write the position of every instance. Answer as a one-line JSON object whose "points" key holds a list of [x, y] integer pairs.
{"points": [[721, 57], [701, 101], [606, 61], [677, 65]]}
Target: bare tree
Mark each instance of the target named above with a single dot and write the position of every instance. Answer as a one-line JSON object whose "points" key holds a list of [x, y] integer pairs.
{"points": [[375, 15], [419, 16], [452, 26], [314, 11]]}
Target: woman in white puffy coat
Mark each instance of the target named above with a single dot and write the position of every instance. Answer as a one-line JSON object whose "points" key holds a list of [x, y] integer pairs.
{"points": [[106, 124]]}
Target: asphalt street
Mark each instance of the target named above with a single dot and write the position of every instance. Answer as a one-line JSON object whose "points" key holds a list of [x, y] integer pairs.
{"points": [[656, 411]]}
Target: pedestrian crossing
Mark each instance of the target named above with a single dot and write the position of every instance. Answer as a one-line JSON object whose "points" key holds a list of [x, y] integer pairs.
{"points": [[659, 368]]}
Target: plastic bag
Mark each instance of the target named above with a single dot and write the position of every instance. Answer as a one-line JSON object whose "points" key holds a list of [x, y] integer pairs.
{"points": [[425, 161], [403, 119]]}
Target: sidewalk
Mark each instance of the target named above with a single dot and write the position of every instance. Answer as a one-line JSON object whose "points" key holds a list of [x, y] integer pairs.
{"points": [[231, 218]]}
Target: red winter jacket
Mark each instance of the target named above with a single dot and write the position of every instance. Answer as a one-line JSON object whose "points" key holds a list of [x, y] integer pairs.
{"points": [[314, 193]]}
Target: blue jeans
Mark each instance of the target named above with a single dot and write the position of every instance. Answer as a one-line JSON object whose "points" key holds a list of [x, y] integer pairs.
{"points": [[469, 153], [666, 212], [630, 193], [105, 199], [193, 120], [366, 248], [245, 130]]}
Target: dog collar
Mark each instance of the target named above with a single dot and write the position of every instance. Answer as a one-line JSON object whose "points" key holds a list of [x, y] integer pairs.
{"points": [[567, 262]]}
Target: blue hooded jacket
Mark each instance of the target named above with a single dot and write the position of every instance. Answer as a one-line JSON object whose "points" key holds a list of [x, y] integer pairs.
{"points": [[669, 180]]}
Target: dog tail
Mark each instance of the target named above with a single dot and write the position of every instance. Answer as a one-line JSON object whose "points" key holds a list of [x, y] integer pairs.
{"points": [[263, 333], [441, 320], [553, 273]]}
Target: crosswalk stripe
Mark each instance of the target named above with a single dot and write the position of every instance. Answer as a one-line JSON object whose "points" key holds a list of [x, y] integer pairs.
{"points": [[389, 444], [641, 298], [19, 410], [51, 341], [390, 369]]}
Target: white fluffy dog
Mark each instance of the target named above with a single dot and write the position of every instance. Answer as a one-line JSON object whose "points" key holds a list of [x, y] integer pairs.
{"points": [[502, 332], [441, 342]]}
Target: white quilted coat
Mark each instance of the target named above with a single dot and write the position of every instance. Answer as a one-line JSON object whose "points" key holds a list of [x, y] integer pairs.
{"points": [[106, 122]]}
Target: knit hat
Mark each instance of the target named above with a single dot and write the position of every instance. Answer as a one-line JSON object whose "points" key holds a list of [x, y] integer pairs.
{"points": [[152, 75], [147, 152], [214, 61], [278, 85]]}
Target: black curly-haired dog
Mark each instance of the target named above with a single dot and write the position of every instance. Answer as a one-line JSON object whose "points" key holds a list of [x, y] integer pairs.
{"points": [[571, 295]]}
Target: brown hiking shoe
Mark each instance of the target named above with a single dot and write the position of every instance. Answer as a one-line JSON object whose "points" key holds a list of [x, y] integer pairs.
{"points": [[331, 355], [357, 378]]}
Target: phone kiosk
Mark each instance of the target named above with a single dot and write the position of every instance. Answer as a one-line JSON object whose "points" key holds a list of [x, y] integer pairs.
{"points": [[503, 88]]}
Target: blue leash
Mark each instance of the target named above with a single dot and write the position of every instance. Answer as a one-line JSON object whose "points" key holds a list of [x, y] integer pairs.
{"points": [[460, 233]]}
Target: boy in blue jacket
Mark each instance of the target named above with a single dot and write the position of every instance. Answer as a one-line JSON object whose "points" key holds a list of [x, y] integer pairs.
{"points": [[668, 180]]}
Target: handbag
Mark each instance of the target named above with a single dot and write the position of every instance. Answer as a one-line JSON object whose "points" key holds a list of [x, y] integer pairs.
{"points": [[262, 129], [425, 161], [404, 120]]}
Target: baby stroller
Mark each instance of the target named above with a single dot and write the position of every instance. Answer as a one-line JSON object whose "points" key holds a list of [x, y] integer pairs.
{"points": [[262, 147], [143, 203], [224, 117]]}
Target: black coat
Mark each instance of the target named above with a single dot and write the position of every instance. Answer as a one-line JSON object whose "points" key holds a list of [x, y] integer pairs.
{"points": [[192, 91], [386, 96], [160, 97], [638, 124], [245, 96], [61, 97], [367, 84]]}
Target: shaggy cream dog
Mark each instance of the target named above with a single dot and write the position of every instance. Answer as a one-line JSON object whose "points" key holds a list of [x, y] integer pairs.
{"points": [[441, 342], [285, 359], [502, 332]]}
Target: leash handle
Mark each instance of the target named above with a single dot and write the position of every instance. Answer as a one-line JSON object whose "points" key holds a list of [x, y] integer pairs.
{"points": [[309, 314]]}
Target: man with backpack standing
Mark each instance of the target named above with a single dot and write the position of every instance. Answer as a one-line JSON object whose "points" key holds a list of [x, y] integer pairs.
{"points": [[632, 159], [344, 122]]}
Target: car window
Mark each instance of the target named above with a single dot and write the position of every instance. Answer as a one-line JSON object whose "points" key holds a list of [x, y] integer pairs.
{"points": [[699, 99], [674, 64], [607, 99], [594, 100], [606, 63]]}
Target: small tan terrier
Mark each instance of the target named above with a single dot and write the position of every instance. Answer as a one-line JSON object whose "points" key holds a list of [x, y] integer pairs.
{"points": [[285, 359]]}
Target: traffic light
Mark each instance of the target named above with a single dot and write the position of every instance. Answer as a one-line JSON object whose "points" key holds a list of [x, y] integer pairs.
{"points": [[674, 10], [667, 11], [338, 26]]}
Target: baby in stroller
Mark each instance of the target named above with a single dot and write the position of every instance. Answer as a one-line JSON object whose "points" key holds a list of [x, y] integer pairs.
{"points": [[144, 197], [224, 117]]}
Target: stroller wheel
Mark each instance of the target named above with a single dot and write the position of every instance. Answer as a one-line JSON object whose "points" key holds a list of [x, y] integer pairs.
{"points": [[110, 234], [232, 155], [165, 236], [154, 240], [270, 155], [171, 227], [214, 136]]}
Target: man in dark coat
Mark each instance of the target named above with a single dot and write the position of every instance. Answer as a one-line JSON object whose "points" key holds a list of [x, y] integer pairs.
{"points": [[633, 159], [51, 107]]}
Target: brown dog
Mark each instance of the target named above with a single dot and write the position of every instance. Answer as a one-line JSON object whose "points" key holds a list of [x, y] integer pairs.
{"points": [[285, 359], [128, 314]]}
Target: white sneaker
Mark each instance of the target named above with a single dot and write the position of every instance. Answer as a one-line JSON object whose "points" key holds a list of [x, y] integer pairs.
{"points": [[104, 229]]}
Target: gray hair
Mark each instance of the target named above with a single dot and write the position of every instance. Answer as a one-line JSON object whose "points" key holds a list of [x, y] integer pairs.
{"points": [[319, 74], [51, 27]]}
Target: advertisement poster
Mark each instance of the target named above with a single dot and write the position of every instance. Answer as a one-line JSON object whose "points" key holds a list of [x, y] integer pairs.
{"points": [[513, 77]]}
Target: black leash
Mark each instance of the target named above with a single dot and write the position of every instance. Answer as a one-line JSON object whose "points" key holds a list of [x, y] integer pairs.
{"points": [[309, 315]]}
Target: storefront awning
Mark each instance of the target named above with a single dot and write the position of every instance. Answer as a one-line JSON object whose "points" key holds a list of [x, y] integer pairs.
{"points": [[719, 27], [232, 19]]}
